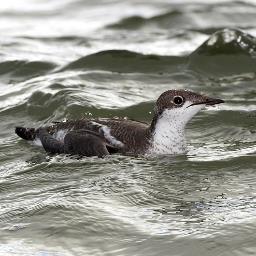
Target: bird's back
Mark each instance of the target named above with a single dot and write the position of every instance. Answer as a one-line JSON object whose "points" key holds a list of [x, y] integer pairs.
{"points": [[128, 135]]}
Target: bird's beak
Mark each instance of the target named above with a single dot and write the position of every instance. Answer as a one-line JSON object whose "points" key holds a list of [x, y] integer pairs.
{"points": [[212, 101], [207, 101]]}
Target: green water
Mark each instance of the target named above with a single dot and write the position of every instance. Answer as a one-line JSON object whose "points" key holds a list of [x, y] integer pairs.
{"points": [[74, 59]]}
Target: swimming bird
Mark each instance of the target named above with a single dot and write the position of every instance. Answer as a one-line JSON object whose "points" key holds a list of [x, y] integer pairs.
{"points": [[103, 136]]}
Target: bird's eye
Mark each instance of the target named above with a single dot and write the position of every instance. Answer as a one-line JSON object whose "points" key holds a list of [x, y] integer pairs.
{"points": [[178, 100]]}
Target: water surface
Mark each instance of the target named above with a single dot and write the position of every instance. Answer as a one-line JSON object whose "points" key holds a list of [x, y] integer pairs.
{"points": [[74, 59]]}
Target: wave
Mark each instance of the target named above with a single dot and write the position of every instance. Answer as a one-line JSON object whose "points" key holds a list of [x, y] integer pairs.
{"points": [[226, 52], [135, 22], [71, 39], [21, 68], [228, 41], [71, 103], [192, 16], [124, 61]]}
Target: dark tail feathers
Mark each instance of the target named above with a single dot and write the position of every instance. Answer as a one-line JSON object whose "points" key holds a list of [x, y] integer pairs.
{"points": [[26, 133]]}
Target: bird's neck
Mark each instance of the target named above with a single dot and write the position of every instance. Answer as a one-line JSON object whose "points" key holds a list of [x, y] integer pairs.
{"points": [[167, 135]]}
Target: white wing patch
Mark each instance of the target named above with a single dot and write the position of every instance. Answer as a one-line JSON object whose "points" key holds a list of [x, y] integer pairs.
{"points": [[110, 138], [37, 142], [107, 134], [60, 135]]}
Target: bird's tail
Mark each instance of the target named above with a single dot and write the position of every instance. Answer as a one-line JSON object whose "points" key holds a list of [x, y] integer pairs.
{"points": [[26, 133]]}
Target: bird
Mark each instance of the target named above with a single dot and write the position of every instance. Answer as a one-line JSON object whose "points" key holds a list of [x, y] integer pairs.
{"points": [[165, 135]]}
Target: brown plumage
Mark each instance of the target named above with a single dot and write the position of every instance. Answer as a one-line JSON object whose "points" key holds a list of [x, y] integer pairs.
{"points": [[106, 136]]}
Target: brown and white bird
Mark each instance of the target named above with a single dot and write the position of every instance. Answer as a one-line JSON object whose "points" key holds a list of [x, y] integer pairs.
{"points": [[103, 136]]}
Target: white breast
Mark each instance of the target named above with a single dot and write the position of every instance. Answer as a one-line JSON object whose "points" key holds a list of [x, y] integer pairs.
{"points": [[167, 141], [169, 135]]}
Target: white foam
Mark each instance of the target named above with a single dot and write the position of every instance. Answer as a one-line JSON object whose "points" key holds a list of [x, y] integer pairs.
{"points": [[212, 40], [229, 36]]}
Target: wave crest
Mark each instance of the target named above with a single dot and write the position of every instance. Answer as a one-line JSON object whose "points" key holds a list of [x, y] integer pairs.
{"points": [[227, 51]]}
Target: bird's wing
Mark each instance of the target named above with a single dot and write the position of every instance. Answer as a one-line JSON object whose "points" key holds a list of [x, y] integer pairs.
{"points": [[78, 142], [49, 143]]}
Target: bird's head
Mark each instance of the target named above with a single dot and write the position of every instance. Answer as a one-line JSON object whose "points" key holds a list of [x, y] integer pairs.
{"points": [[180, 106]]}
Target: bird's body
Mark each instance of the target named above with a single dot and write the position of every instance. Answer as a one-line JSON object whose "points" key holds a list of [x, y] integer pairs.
{"points": [[127, 136], [89, 137]]}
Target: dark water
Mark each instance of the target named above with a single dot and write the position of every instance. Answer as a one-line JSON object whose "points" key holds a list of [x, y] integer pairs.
{"points": [[70, 59]]}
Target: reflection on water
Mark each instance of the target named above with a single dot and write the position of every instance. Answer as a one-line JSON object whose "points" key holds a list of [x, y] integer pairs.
{"points": [[73, 59]]}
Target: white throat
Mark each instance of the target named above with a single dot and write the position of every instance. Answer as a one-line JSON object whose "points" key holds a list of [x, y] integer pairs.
{"points": [[169, 133]]}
